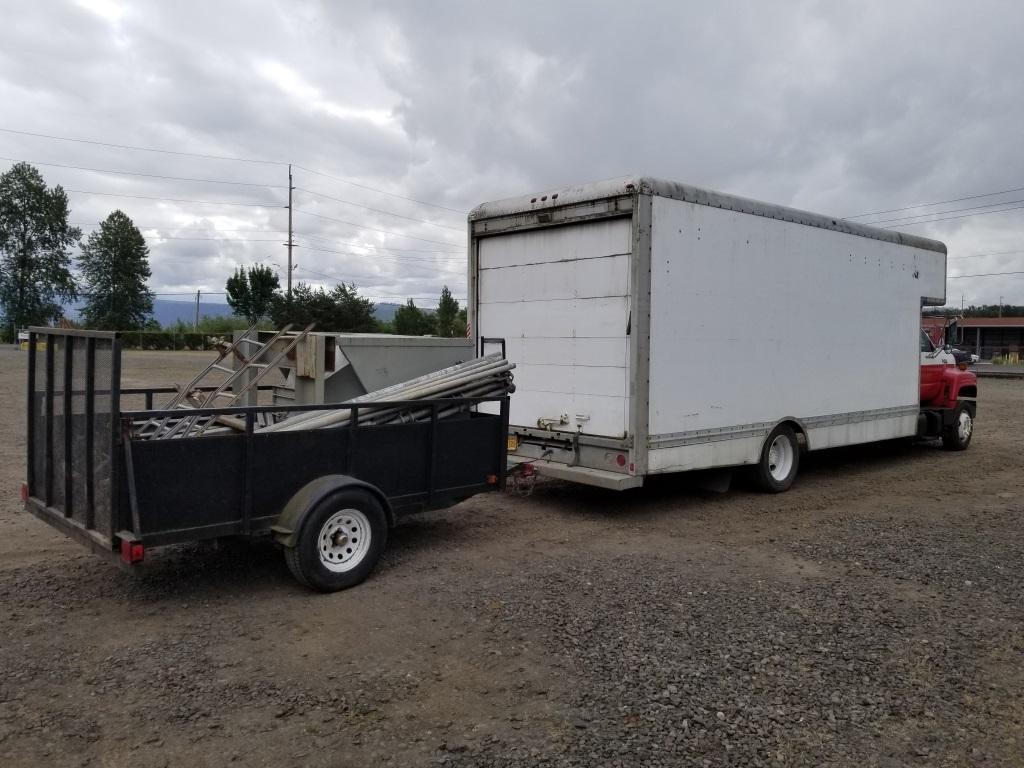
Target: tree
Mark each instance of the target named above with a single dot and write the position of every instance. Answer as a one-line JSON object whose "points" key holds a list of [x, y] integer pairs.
{"points": [[354, 314], [35, 263], [410, 320], [341, 310], [115, 266], [251, 292], [461, 324], [447, 314]]}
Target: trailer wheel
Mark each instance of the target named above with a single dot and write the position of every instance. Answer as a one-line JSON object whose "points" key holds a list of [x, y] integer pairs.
{"points": [[957, 436], [780, 459], [339, 542]]}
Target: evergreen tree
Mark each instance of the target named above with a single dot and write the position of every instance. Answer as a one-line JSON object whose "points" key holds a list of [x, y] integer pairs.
{"points": [[35, 263], [251, 292], [115, 266], [410, 320], [354, 314], [461, 324], [447, 314], [340, 310]]}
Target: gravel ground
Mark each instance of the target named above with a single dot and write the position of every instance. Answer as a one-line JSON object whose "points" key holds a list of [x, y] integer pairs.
{"points": [[872, 616]]}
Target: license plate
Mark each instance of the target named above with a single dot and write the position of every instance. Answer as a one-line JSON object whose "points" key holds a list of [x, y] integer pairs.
{"points": [[513, 443]]}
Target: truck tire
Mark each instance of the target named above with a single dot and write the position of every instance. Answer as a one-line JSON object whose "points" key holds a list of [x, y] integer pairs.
{"points": [[780, 459], [958, 436], [339, 542]]}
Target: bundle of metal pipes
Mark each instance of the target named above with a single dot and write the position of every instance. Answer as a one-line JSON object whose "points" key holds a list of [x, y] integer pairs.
{"points": [[489, 376]]}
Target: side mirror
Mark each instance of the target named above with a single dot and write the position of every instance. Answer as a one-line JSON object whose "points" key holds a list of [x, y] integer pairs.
{"points": [[947, 347]]}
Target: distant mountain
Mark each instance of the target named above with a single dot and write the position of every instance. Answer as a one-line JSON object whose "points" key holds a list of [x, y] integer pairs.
{"points": [[169, 312], [385, 312]]}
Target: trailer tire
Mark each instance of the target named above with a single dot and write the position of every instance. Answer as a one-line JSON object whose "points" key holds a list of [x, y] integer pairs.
{"points": [[957, 436], [339, 541], [780, 459]]}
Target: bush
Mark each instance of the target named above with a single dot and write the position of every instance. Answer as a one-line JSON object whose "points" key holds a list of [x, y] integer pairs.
{"points": [[170, 340]]}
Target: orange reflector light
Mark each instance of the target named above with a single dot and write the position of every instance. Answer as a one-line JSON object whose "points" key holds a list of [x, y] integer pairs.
{"points": [[492, 479], [132, 551], [962, 366]]}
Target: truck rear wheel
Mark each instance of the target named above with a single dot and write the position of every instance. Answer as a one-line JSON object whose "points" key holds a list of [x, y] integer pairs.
{"points": [[339, 542], [957, 436], [780, 459]]}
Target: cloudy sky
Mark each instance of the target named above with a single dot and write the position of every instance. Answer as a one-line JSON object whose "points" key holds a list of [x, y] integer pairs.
{"points": [[402, 116]]}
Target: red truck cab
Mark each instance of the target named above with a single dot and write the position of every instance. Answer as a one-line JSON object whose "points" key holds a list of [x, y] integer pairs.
{"points": [[949, 397]]}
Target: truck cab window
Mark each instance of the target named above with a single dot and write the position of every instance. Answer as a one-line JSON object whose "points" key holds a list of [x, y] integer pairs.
{"points": [[926, 343]]}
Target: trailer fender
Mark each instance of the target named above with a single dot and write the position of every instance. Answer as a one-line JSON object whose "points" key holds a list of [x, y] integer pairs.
{"points": [[289, 522]]}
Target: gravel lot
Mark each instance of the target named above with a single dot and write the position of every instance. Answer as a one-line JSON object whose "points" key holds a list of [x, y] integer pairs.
{"points": [[872, 616]]}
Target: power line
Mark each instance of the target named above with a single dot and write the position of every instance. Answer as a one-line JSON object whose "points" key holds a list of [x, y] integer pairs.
{"points": [[146, 175], [960, 216], [365, 296], [379, 191], [142, 149], [226, 157], [940, 202], [192, 229], [980, 255], [951, 210], [986, 274], [174, 199], [377, 210], [335, 241], [215, 239], [371, 229], [426, 261]]}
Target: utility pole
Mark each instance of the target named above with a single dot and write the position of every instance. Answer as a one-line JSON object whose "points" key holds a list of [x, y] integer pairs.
{"points": [[290, 243], [1000, 306], [196, 326]]}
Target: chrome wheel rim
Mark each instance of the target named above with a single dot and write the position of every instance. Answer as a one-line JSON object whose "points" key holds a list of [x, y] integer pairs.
{"points": [[964, 425], [780, 458], [344, 540]]}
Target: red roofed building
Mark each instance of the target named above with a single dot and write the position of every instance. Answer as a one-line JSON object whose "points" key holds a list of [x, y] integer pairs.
{"points": [[991, 336]]}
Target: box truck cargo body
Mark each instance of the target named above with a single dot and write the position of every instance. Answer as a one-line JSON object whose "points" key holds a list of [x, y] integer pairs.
{"points": [[658, 327]]}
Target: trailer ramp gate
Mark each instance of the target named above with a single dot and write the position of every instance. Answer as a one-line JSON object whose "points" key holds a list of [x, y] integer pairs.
{"points": [[73, 396]]}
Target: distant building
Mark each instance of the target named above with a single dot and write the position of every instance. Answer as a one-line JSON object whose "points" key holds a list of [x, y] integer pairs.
{"points": [[986, 337], [991, 336]]}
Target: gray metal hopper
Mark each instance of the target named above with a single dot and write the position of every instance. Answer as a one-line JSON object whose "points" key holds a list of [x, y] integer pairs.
{"points": [[335, 367]]}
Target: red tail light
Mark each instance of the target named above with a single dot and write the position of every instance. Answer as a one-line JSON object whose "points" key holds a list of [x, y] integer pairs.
{"points": [[132, 551], [24, 493]]}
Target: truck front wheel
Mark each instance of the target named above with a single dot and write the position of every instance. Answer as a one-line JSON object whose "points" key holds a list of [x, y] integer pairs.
{"points": [[780, 459], [339, 542], [957, 436]]}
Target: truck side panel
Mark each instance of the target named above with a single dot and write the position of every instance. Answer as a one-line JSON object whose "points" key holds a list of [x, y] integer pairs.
{"points": [[560, 298], [755, 320]]}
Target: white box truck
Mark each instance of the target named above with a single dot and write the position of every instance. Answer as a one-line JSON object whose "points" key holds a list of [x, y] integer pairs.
{"points": [[658, 327]]}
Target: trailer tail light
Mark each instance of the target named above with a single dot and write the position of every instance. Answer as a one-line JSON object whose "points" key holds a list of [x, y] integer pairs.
{"points": [[621, 460], [24, 493], [132, 551]]}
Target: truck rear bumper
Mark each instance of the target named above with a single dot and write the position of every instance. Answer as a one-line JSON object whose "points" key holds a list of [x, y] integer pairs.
{"points": [[600, 478]]}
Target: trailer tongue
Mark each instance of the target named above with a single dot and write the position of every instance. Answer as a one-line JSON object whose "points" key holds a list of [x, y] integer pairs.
{"points": [[327, 495]]}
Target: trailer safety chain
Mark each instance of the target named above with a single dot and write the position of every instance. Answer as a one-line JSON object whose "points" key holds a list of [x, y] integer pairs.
{"points": [[524, 475]]}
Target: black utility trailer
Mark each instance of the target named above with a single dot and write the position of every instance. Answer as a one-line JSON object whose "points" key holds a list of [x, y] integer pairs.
{"points": [[328, 496]]}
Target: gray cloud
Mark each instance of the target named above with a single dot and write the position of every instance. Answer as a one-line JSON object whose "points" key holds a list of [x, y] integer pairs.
{"points": [[837, 107]]}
